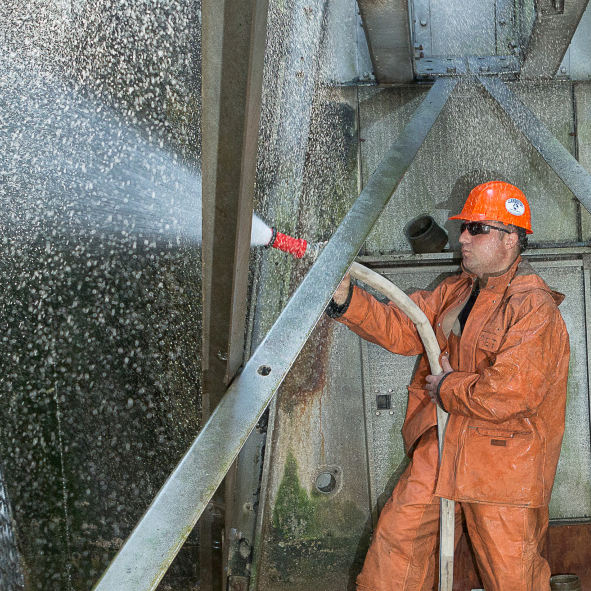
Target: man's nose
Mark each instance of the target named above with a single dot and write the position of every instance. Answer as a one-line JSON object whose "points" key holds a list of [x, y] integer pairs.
{"points": [[465, 237]]}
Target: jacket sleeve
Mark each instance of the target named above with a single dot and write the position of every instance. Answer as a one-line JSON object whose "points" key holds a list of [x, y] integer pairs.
{"points": [[525, 368], [384, 324]]}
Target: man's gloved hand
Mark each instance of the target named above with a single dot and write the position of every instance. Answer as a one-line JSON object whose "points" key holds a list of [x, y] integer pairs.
{"points": [[432, 382]]}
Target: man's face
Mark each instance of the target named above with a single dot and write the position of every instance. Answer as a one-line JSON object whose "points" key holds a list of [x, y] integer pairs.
{"points": [[487, 253]]}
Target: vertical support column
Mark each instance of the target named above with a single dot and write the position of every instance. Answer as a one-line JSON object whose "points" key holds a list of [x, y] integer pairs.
{"points": [[234, 37]]}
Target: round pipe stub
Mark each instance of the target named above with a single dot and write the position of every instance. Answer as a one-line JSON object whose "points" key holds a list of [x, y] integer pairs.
{"points": [[425, 235], [565, 583]]}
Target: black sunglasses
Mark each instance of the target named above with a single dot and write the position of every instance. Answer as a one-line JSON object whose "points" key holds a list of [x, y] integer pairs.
{"points": [[475, 228]]}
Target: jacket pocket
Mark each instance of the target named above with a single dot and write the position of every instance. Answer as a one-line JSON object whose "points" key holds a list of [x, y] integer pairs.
{"points": [[500, 466]]}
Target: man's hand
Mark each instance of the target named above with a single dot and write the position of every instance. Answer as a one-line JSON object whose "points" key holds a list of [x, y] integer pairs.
{"points": [[340, 295], [433, 381]]}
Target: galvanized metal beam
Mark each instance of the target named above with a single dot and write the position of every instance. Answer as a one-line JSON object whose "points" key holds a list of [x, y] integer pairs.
{"points": [[149, 550], [562, 162], [554, 27], [234, 36], [387, 28], [233, 49]]}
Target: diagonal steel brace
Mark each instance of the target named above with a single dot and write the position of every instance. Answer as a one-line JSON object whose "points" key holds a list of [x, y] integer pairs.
{"points": [[560, 160]]}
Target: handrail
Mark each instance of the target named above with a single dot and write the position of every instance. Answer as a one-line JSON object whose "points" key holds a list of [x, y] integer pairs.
{"points": [[148, 552]]}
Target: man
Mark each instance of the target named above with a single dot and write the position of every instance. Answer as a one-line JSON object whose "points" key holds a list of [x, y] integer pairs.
{"points": [[505, 354]]}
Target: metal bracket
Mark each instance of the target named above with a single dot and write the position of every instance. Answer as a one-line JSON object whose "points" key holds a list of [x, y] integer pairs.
{"points": [[492, 65]]}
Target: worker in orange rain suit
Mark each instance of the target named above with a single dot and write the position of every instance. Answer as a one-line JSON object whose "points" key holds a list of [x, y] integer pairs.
{"points": [[505, 354]]}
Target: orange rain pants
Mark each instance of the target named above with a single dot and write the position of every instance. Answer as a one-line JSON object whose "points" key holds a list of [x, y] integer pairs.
{"points": [[404, 551]]}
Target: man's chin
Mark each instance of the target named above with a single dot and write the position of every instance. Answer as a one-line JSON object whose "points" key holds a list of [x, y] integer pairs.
{"points": [[466, 263]]}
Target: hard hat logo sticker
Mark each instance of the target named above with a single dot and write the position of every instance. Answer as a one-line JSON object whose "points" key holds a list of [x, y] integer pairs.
{"points": [[514, 206]]}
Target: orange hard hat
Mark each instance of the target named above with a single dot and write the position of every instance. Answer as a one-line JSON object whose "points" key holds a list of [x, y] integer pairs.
{"points": [[497, 200]]}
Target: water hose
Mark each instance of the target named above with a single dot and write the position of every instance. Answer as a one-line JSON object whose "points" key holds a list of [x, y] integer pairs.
{"points": [[425, 330]]}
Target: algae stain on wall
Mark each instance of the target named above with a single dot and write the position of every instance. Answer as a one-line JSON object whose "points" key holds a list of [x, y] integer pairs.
{"points": [[293, 513], [313, 533]]}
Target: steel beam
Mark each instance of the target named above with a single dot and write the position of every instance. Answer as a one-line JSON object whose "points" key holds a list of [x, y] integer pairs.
{"points": [[234, 36], [562, 162], [554, 27], [149, 550], [387, 28], [233, 48]]}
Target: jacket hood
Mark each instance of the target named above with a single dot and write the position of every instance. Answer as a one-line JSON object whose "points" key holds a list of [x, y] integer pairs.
{"points": [[526, 278]]}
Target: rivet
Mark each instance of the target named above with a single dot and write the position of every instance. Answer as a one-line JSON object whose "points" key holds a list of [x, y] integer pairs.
{"points": [[377, 413], [423, 22], [391, 412]]}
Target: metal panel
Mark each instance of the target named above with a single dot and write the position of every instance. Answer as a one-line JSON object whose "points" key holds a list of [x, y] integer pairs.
{"points": [[345, 55], [571, 496], [311, 534], [387, 27], [151, 547], [574, 176], [577, 60], [385, 373], [553, 30], [462, 28], [473, 141]]}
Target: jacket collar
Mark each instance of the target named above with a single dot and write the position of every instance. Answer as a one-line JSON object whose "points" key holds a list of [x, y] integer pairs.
{"points": [[497, 282]]}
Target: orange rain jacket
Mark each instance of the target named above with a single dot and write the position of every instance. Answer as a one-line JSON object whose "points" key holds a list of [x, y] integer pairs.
{"points": [[506, 397]]}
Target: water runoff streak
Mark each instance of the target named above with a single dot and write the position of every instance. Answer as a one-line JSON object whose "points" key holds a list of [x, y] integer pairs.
{"points": [[69, 161]]}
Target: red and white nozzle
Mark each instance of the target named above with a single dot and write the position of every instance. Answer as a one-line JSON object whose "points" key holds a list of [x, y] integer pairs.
{"points": [[295, 246]]}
